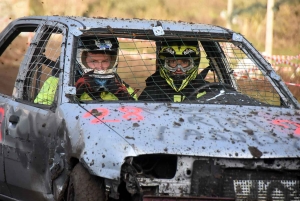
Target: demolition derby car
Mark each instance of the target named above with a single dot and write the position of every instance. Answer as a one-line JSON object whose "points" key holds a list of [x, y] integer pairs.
{"points": [[181, 111]]}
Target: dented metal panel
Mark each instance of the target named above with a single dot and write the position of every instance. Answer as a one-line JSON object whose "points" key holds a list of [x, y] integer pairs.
{"points": [[207, 130]]}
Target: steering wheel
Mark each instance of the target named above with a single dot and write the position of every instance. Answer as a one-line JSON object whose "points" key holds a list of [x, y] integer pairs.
{"points": [[216, 85]]}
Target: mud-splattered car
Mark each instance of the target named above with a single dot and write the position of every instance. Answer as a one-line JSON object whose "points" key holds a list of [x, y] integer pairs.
{"points": [[232, 134]]}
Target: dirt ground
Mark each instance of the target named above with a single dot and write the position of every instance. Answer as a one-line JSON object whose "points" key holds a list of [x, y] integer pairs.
{"points": [[6, 77], [10, 61]]}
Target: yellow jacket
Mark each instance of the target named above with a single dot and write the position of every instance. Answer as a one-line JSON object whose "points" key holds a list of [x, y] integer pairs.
{"points": [[47, 93]]}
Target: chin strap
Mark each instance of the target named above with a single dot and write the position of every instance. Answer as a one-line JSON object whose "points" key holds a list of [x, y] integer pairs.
{"points": [[184, 82]]}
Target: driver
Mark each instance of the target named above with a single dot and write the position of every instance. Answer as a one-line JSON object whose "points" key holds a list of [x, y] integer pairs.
{"points": [[177, 73]]}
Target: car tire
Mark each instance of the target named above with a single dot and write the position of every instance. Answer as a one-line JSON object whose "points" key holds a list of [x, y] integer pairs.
{"points": [[84, 186]]}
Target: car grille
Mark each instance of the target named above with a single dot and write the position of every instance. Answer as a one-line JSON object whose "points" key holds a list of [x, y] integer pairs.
{"points": [[266, 189], [261, 185], [242, 184]]}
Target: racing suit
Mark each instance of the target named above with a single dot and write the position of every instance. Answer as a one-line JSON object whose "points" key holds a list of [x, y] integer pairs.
{"points": [[158, 89]]}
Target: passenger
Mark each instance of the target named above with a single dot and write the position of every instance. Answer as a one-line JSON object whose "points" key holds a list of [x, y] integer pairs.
{"points": [[98, 59], [97, 70], [177, 73]]}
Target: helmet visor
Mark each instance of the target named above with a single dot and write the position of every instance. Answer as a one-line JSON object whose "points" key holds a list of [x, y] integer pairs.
{"points": [[184, 64], [103, 65], [97, 60]]}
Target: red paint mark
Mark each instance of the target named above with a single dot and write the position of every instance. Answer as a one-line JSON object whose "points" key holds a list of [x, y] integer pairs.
{"points": [[287, 124], [1, 119], [100, 113], [131, 114]]}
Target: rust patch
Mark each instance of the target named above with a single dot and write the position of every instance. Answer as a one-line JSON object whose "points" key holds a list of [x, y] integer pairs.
{"points": [[92, 163], [176, 124], [254, 112], [135, 125], [249, 132], [95, 112], [110, 29], [255, 152], [131, 138]]}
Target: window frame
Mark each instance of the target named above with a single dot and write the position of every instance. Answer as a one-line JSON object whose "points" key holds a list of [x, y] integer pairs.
{"points": [[22, 79]]}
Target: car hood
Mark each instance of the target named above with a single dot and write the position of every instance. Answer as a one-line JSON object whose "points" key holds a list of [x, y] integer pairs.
{"points": [[185, 129]]}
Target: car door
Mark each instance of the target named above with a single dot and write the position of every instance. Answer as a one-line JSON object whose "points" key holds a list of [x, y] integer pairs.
{"points": [[31, 125], [13, 45]]}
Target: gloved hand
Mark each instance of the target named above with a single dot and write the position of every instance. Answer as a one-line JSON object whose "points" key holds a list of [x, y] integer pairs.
{"points": [[86, 84], [122, 90]]}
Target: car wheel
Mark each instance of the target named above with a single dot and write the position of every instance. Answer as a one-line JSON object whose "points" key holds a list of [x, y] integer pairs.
{"points": [[84, 186]]}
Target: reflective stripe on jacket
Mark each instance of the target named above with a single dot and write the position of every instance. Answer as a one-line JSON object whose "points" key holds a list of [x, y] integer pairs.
{"points": [[47, 92], [105, 95]]}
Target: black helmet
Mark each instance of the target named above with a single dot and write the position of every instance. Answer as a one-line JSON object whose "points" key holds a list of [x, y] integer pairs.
{"points": [[168, 52]]}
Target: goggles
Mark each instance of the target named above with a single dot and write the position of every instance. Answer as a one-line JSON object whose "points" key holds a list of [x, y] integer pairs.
{"points": [[184, 64]]}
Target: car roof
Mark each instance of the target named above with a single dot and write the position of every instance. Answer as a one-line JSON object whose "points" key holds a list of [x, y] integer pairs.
{"points": [[86, 23]]}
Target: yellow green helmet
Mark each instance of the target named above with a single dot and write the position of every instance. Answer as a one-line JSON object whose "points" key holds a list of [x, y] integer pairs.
{"points": [[178, 62]]}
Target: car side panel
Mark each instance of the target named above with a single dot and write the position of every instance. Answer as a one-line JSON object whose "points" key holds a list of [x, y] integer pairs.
{"points": [[3, 186], [27, 151]]}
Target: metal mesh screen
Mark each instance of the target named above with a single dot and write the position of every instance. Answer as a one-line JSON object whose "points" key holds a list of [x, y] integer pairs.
{"points": [[43, 65], [222, 73], [138, 60]]}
